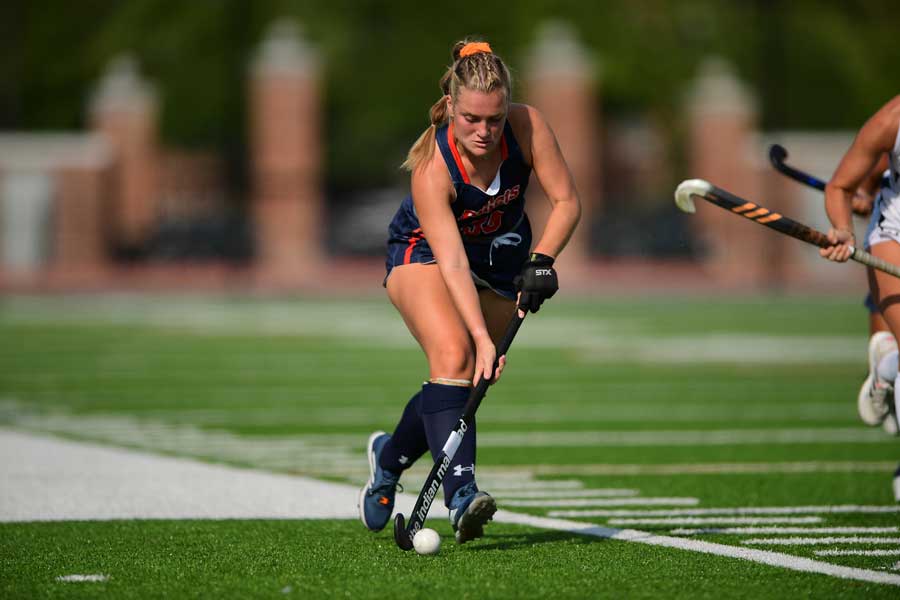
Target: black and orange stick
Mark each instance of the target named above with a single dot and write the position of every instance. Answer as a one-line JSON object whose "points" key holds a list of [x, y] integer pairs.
{"points": [[703, 189]]}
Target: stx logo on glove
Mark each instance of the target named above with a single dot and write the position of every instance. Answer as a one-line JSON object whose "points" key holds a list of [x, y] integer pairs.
{"points": [[536, 282]]}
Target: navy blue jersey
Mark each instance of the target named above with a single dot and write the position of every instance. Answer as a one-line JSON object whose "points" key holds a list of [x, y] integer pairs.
{"points": [[492, 223]]}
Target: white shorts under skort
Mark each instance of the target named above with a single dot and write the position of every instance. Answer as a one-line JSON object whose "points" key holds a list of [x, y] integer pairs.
{"points": [[884, 225]]}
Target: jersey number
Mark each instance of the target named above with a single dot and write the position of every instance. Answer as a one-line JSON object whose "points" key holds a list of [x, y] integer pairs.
{"points": [[485, 225]]}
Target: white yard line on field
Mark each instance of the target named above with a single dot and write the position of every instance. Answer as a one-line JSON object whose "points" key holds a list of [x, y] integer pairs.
{"points": [[713, 437], [893, 552], [817, 541], [641, 501], [782, 530], [527, 492], [776, 559], [515, 483], [45, 479], [720, 468], [716, 521], [741, 510]]}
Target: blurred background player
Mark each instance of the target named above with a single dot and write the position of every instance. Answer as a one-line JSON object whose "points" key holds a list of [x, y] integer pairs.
{"points": [[879, 135], [458, 254]]}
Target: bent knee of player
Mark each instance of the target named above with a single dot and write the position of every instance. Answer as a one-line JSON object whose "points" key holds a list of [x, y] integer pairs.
{"points": [[452, 360]]}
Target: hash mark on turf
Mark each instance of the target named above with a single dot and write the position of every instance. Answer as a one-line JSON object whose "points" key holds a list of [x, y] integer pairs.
{"points": [[82, 578]]}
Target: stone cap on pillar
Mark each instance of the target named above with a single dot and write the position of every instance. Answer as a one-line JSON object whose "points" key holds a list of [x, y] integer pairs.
{"points": [[46, 151], [717, 89], [122, 88], [285, 51], [557, 52]]}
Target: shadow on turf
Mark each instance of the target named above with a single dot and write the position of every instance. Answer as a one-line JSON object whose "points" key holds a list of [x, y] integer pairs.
{"points": [[509, 541]]}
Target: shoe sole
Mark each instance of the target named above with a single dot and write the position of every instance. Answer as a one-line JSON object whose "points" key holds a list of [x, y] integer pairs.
{"points": [[863, 405], [471, 524], [370, 453]]}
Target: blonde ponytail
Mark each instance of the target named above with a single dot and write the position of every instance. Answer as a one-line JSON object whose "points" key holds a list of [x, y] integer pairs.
{"points": [[474, 67], [423, 149]]}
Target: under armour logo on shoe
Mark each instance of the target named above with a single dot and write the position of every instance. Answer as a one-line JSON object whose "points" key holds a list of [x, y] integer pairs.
{"points": [[458, 470], [403, 459]]}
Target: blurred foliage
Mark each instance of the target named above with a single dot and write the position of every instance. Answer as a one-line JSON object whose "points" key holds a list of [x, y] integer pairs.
{"points": [[813, 63]]}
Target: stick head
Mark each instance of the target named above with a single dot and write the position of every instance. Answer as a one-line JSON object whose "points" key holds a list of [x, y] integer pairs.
{"points": [[686, 189], [777, 154], [401, 536]]}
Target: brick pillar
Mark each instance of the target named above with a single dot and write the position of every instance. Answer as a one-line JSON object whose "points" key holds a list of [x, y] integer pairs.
{"points": [[285, 119], [80, 225], [124, 109], [723, 116], [560, 82]]}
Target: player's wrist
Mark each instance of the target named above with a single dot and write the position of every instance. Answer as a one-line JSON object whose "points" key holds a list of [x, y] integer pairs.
{"points": [[541, 260], [480, 334]]}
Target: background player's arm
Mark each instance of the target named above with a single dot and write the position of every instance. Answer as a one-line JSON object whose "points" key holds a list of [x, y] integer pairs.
{"points": [[431, 192], [542, 150], [874, 139]]}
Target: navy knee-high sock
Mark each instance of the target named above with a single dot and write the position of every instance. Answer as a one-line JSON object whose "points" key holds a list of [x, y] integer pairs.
{"points": [[442, 406], [408, 442]]}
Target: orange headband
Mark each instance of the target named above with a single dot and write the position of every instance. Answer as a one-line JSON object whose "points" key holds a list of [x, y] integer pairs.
{"points": [[474, 48]]}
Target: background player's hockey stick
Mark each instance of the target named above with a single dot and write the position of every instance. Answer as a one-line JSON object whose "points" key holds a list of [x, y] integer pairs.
{"points": [[777, 154], [403, 532], [684, 198]]}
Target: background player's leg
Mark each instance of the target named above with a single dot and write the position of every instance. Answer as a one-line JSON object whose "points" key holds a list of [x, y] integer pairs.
{"points": [[889, 304]]}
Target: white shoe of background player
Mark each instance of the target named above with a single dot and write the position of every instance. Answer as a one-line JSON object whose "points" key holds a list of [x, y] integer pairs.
{"points": [[875, 393]]}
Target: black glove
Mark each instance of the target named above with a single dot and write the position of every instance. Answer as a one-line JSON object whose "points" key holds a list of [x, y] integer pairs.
{"points": [[537, 282]]}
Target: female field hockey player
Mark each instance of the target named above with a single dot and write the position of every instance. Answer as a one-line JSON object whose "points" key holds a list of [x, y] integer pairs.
{"points": [[458, 256], [879, 135]]}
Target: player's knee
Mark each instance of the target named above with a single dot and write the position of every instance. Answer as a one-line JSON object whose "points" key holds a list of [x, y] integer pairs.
{"points": [[453, 360]]}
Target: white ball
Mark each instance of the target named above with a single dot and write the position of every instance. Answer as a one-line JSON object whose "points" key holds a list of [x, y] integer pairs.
{"points": [[427, 541]]}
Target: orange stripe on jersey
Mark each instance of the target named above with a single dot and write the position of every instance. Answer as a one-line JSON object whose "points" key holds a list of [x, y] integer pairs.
{"points": [[413, 239], [769, 219], [451, 141]]}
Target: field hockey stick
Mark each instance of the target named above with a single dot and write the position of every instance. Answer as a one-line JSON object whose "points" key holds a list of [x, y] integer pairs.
{"points": [[684, 198], [777, 154], [403, 532]]}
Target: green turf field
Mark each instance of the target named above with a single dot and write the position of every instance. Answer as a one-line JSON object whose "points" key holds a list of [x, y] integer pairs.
{"points": [[718, 406]]}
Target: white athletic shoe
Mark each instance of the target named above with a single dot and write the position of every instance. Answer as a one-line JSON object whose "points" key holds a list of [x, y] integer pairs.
{"points": [[897, 484], [875, 394]]}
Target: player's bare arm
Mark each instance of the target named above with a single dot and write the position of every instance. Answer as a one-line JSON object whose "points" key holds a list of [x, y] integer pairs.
{"points": [[432, 193]]}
